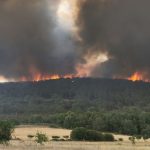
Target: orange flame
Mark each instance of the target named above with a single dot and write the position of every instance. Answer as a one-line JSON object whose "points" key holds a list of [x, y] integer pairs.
{"points": [[36, 76], [137, 76], [40, 77]]}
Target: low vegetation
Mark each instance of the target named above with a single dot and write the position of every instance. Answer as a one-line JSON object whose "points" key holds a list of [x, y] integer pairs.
{"points": [[41, 138], [55, 138], [82, 134], [6, 129]]}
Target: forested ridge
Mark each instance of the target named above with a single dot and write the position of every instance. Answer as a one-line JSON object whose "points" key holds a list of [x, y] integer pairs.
{"points": [[58, 96], [119, 106]]}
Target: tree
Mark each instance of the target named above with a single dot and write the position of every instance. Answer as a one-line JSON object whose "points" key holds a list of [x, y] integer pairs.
{"points": [[70, 120], [129, 128]]}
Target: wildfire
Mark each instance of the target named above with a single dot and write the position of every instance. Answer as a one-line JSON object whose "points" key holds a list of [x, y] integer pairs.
{"points": [[36, 75], [137, 76], [40, 77]]}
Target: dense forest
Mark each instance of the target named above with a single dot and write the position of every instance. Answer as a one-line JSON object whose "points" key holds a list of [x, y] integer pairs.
{"points": [[120, 106], [58, 96]]}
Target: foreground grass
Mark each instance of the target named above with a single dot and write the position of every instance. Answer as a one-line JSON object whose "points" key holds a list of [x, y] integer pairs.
{"points": [[22, 142], [28, 145]]}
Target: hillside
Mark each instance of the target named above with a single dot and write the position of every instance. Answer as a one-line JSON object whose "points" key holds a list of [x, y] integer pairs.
{"points": [[118, 106], [58, 96]]}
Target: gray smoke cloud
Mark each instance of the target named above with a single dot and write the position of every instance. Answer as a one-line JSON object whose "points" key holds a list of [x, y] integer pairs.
{"points": [[32, 41], [120, 29]]}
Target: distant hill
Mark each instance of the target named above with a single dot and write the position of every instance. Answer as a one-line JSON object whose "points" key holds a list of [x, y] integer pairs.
{"points": [[78, 94]]}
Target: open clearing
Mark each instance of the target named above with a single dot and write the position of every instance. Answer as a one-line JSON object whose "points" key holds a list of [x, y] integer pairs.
{"points": [[24, 143]]}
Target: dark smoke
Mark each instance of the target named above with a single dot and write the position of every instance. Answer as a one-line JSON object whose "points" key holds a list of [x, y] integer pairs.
{"points": [[31, 40], [119, 28]]}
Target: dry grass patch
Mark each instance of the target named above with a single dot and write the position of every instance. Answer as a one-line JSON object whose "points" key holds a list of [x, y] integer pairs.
{"points": [[22, 132], [25, 143]]}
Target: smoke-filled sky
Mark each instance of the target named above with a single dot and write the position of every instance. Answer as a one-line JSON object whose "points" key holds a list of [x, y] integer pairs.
{"points": [[97, 38]]}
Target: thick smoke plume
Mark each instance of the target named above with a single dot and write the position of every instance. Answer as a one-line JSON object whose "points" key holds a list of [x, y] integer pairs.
{"points": [[121, 30], [31, 40]]}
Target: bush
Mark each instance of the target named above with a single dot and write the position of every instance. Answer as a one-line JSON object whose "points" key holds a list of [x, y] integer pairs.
{"points": [[138, 137], [78, 134], [6, 129], [82, 134], [41, 138], [55, 138], [120, 139], [92, 135], [132, 139], [66, 136], [108, 137], [30, 136]]}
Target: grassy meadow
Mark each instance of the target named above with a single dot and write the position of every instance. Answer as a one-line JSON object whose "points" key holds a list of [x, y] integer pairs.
{"points": [[22, 142]]}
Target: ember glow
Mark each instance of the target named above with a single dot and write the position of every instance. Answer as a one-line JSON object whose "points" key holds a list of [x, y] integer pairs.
{"points": [[137, 76], [36, 76], [40, 77]]}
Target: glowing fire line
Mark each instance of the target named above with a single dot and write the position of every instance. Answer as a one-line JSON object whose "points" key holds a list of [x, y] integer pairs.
{"points": [[40, 77], [137, 76]]}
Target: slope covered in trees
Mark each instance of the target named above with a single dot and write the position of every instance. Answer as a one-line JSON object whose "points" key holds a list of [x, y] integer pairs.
{"points": [[78, 95], [118, 106]]}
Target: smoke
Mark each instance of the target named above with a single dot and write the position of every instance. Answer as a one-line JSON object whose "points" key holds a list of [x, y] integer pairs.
{"points": [[119, 29], [109, 38], [32, 41]]}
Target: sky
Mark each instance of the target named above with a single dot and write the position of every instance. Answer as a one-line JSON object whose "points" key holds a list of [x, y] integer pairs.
{"points": [[43, 39]]}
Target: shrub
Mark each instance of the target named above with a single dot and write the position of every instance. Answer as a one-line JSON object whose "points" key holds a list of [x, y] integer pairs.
{"points": [[55, 138], [92, 135], [82, 134], [41, 138], [66, 137], [78, 134], [108, 137], [138, 137], [6, 129], [30, 136], [132, 139], [120, 139]]}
